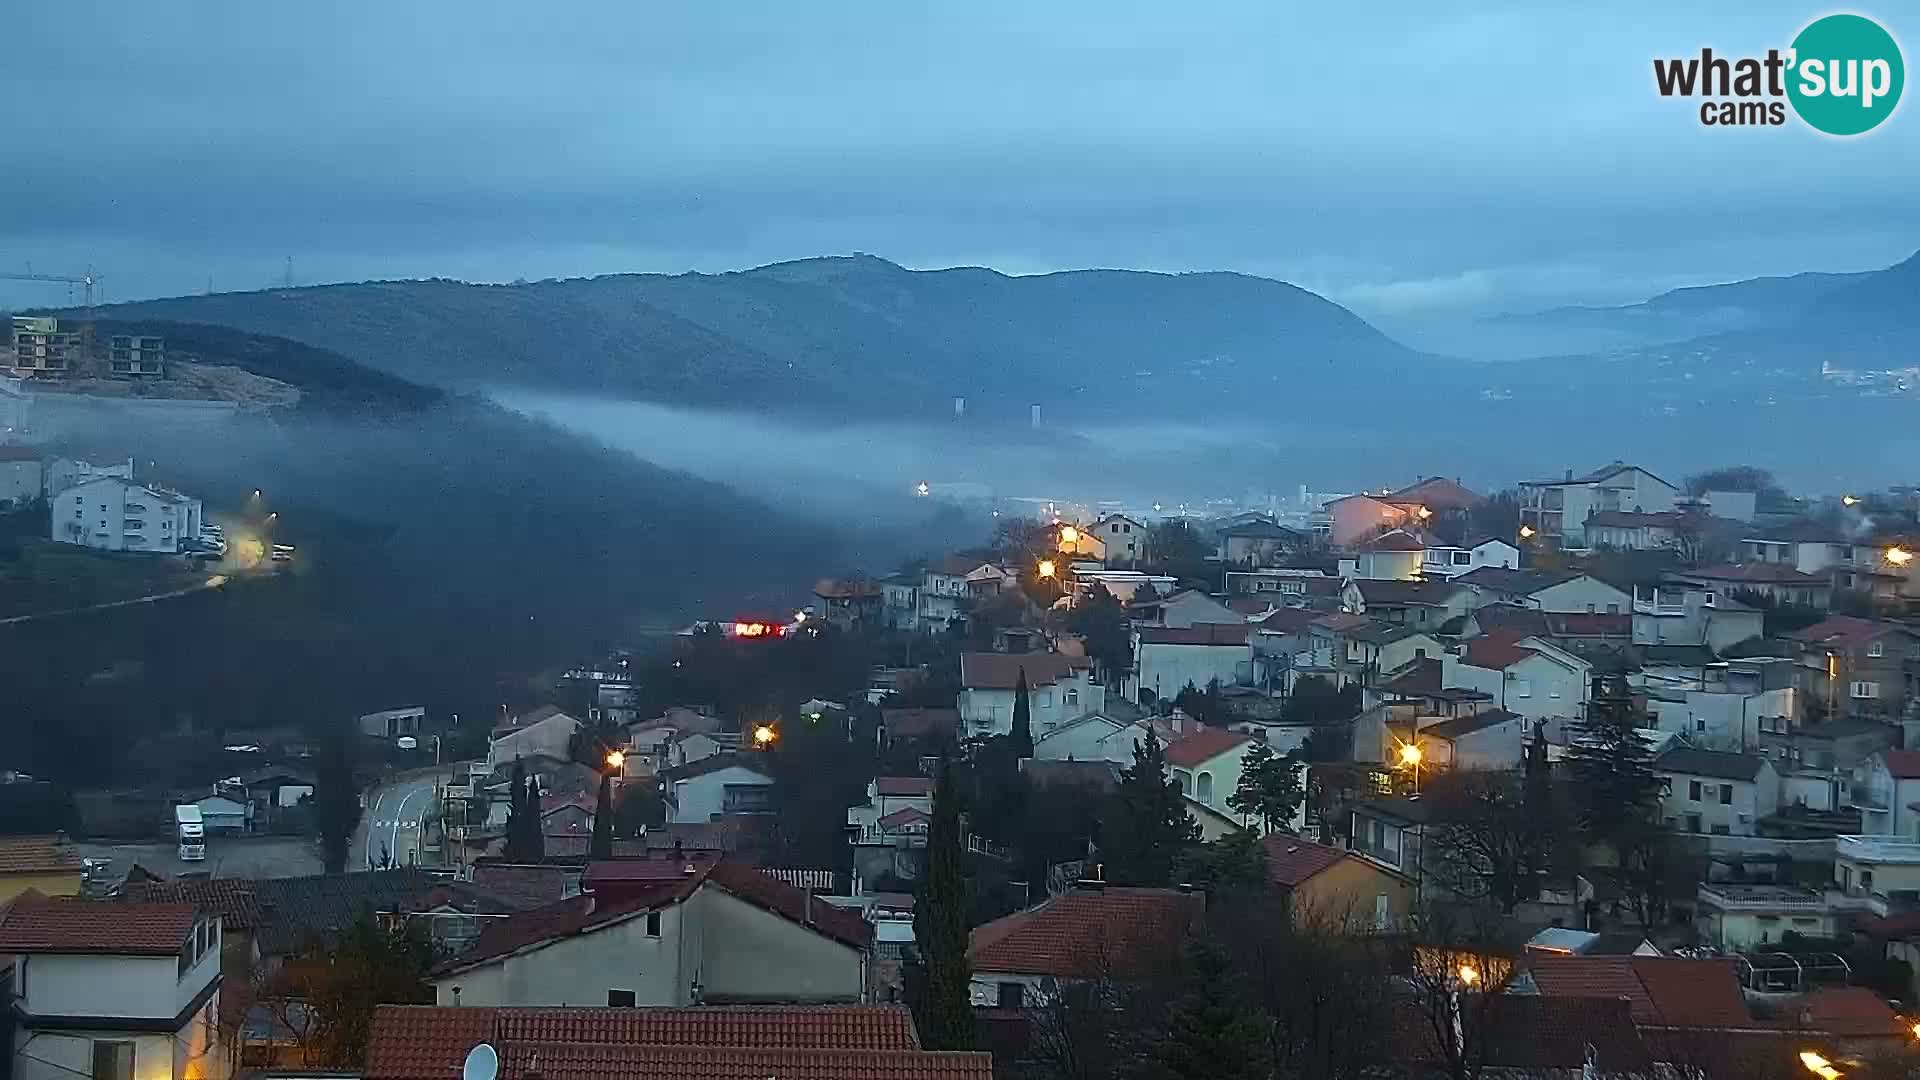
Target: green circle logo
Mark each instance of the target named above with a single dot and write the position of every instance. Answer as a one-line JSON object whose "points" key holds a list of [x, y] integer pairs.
{"points": [[1846, 74]]}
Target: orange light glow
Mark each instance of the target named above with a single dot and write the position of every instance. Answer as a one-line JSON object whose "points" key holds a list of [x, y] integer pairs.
{"points": [[615, 759], [1899, 556], [1046, 568], [764, 735], [1069, 534]]}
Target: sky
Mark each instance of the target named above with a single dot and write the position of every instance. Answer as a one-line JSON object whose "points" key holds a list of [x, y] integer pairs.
{"points": [[1406, 158]]}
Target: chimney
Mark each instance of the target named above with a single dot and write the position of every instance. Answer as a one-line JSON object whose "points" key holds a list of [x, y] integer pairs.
{"points": [[1569, 474]]}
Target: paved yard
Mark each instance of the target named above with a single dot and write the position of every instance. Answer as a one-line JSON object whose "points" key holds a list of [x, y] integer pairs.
{"points": [[227, 856]]}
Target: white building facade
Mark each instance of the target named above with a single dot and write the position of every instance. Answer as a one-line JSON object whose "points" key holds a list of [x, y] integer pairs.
{"points": [[115, 514]]}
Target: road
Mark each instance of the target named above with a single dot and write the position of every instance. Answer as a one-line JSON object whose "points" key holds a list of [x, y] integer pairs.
{"points": [[391, 823], [213, 582], [227, 856]]}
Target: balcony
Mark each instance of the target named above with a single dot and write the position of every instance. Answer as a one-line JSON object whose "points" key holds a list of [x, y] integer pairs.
{"points": [[1728, 896], [1872, 801], [1876, 849]]}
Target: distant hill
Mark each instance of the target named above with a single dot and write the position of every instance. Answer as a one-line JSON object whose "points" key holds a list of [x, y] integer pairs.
{"points": [[842, 332]]}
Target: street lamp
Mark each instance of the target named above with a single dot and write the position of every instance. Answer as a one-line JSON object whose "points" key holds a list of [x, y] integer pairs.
{"points": [[1469, 975], [1899, 556], [616, 760], [1410, 756], [1046, 568], [764, 735], [922, 488], [1526, 532], [1849, 500], [1069, 534]]}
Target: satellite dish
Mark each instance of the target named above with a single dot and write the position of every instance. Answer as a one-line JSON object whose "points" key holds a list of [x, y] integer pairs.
{"points": [[482, 1064]]}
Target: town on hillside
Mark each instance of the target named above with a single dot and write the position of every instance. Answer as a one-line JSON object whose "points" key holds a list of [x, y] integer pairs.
{"points": [[1602, 774]]}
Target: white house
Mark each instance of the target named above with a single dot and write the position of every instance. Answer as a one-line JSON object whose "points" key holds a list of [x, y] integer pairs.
{"points": [[21, 474], [736, 783], [115, 514], [544, 732], [1560, 593], [1424, 605], [1126, 539], [1529, 676], [1488, 739], [1207, 763], [1628, 530], [113, 991], [1166, 660], [1090, 738], [1395, 555], [1186, 608], [1729, 707], [1558, 509], [716, 934], [887, 796], [1708, 791], [1810, 547], [1440, 561], [1059, 688], [1676, 613], [1022, 959], [66, 473], [1885, 790]]}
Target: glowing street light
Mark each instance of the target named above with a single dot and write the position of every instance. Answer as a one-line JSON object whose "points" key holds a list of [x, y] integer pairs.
{"points": [[764, 735], [1469, 975], [1046, 568], [922, 488], [1849, 500], [1526, 532], [1069, 534], [615, 759], [1410, 756], [1899, 556]]}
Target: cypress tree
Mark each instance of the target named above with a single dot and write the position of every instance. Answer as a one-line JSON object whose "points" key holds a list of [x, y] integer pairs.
{"points": [[1022, 718], [940, 928], [536, 834], [602, 846], [517, 814]]}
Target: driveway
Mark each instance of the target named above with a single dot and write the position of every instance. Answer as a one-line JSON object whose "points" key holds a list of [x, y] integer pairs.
{"points": [[227, 857], [391, 823]]}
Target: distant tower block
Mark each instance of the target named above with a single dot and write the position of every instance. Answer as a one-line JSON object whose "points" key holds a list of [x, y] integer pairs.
{"points": [[1036, 416], [959, 407]]}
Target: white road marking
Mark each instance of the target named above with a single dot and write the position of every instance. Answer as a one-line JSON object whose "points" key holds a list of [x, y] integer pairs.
{"points": [[394, 847]]}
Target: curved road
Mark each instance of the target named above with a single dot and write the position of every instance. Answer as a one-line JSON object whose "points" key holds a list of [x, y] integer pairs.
{"points": [[391, 823], [213, 582]]}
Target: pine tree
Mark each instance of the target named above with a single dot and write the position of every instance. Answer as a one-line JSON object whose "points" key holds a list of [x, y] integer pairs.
{"points": [[1269, 788], [1022, 718], [516, 849], [602, 845], [1149, 825], [940, 928], [1212, 1034], [1612, 766]]}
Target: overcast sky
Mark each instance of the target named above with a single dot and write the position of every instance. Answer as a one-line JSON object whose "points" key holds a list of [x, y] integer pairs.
{"points": [[1402, 157]]}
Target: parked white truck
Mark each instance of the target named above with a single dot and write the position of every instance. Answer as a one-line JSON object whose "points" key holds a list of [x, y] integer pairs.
{"points": [[192, 833]]}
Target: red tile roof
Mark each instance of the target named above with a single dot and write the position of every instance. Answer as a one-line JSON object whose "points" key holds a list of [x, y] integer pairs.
{"points": [[1846, 631], [1204, 745], [36, 924], [1290, 620], [1496, 651], [1437, 493], [1407, 593], [570, 917], [1665, 991], [1291, 860], [901, 818], [1073, 935], [1845, 1011], [1197, 634], [559, 1061], [999, 671], [412, 1042], [919, 723], [1755, 573], [37, 855], [905, 786], [1903, 764], [233, 899], [1395, 540], [1340, 622]]}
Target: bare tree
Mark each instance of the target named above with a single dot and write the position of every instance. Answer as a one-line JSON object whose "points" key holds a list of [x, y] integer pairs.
{"points": [[1487, 843]]}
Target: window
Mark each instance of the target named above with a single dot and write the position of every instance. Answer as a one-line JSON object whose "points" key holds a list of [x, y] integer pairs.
{"points": [[1381, 912], [1613, 609], [1011, 995], [653, 928], [1693, 791], [1721, 830], [1592, 608], [1205, 788], [112, 1061], [1462, 558], [1726, 794], [622, 999], [1866, 880], [1693, 822], [1877, 649], [1072, 696], [1864, 689], [1699, 723], [1522, 688]]}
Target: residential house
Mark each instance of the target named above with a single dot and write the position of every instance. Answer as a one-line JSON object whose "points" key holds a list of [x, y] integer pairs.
{"points": [[1167, 661], [1434, 494], [1125, 538], [1678, 613], [1094, 737], [1186, 608], [734, 783], [1528, 675], [1709, 791], [114, 514], [945, 592], [900, 601], [925, 725], [1207, 764], [22, 472], [1750, 916], [1886, 794], [1356, 517], [1771, 582], [394, 723], [1409, 701], [1102, 933], [1121, 583], [1730, 706], [1818, 764], [1423, 605], [1486, 739], [1444, 561], [1074, 542], [722, 933], [1258, 543], [1059, 688], [848, 602], [703, 1042], [1877, 874], [887, 796], [1811, 547], [1347, 649], [1631, 531], [1667, 995], [1284, 585], [1279, 637], [1395, 555], [113, 991], [1326, 887], [1853, 667], [1558, 510], [64, 474], [1391, 834], [1545, 591], [544, 732], [48, 865]]}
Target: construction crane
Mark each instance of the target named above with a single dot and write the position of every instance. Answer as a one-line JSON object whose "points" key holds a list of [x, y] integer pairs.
{"points": [[86, 282]]}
